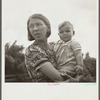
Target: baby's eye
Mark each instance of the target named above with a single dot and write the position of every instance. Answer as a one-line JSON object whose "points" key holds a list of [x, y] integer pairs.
{"points": [[38, 24], [67, 31]]}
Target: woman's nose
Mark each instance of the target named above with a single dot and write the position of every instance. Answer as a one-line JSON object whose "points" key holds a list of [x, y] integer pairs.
{"points": [[35, 28]]}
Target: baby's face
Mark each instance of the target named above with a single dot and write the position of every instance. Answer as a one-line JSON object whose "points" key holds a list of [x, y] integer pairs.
{"points": [[66, 33]]}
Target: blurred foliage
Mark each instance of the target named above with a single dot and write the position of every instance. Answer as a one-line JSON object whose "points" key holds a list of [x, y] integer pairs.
{"points": [[14, 61], [89, 72], [15, 65]]}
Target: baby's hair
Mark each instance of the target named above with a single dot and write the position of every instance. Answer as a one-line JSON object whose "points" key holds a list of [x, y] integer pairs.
{"points": [[65, 23]]}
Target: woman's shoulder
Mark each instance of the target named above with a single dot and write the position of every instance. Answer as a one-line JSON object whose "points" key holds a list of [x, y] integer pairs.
{"points": [[51, 45], [32, 49]]}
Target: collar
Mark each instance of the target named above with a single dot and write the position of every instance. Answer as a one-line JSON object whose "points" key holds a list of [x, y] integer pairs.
{"points": [[66, 43]]}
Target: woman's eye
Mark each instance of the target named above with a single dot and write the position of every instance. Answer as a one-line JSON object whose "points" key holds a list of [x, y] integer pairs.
{"points": [[38, 24], [31, 26], [61, 31]]}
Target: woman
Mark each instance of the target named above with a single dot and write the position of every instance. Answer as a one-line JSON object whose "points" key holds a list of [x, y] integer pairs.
{"points": [[39, 57]]}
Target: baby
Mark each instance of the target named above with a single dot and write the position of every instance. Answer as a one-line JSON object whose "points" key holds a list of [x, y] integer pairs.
{"points": [[68, 52]]}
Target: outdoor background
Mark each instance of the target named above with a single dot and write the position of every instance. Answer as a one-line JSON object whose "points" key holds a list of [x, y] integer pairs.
{"points": [[83, 14]]}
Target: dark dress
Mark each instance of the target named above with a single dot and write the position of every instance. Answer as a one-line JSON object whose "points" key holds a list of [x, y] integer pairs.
{"points": [[35, 57]]}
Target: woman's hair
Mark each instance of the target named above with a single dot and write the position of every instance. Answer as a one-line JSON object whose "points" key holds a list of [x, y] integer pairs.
{"points": [[44, 19]]}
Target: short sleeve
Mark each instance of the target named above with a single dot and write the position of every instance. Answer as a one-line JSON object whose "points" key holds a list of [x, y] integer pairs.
{"points": [[34, 58], [75, 45]]}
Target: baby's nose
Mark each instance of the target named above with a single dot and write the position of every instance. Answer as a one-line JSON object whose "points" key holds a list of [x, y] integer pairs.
{"points": [[64, 32]]}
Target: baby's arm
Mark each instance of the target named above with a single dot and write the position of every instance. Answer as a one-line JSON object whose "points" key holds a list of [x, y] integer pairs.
{"points": [[76, 47], [79, 60]]}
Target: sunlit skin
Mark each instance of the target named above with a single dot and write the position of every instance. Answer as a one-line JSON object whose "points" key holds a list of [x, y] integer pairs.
{"points": [[66, 33], [38, 29]]}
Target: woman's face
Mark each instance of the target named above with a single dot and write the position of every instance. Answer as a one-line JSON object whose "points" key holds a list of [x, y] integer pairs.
{"points": [[38, 29]]}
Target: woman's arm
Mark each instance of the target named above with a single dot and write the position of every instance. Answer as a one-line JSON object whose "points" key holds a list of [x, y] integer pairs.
{"points": [[38, 61], [49, 70]]}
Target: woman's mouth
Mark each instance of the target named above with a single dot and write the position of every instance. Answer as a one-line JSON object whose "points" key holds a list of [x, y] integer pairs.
{"points": [[37, 34]]}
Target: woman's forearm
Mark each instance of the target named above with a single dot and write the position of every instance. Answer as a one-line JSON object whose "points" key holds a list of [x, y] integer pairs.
{"points": [[52, 73]]}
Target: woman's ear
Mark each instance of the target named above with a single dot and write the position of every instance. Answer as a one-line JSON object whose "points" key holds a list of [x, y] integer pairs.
{"points": [[47, 32], [59, 34], [47, 29], [73, 32]]}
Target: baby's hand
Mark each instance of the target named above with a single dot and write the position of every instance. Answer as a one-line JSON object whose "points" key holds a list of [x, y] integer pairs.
{"points": [[79, 69]]}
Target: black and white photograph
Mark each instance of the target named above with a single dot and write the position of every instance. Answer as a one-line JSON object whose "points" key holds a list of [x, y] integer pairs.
{"points": [[50, 43]]}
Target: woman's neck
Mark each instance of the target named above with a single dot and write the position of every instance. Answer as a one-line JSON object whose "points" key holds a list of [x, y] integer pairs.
{"points": [[42, 43]]}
